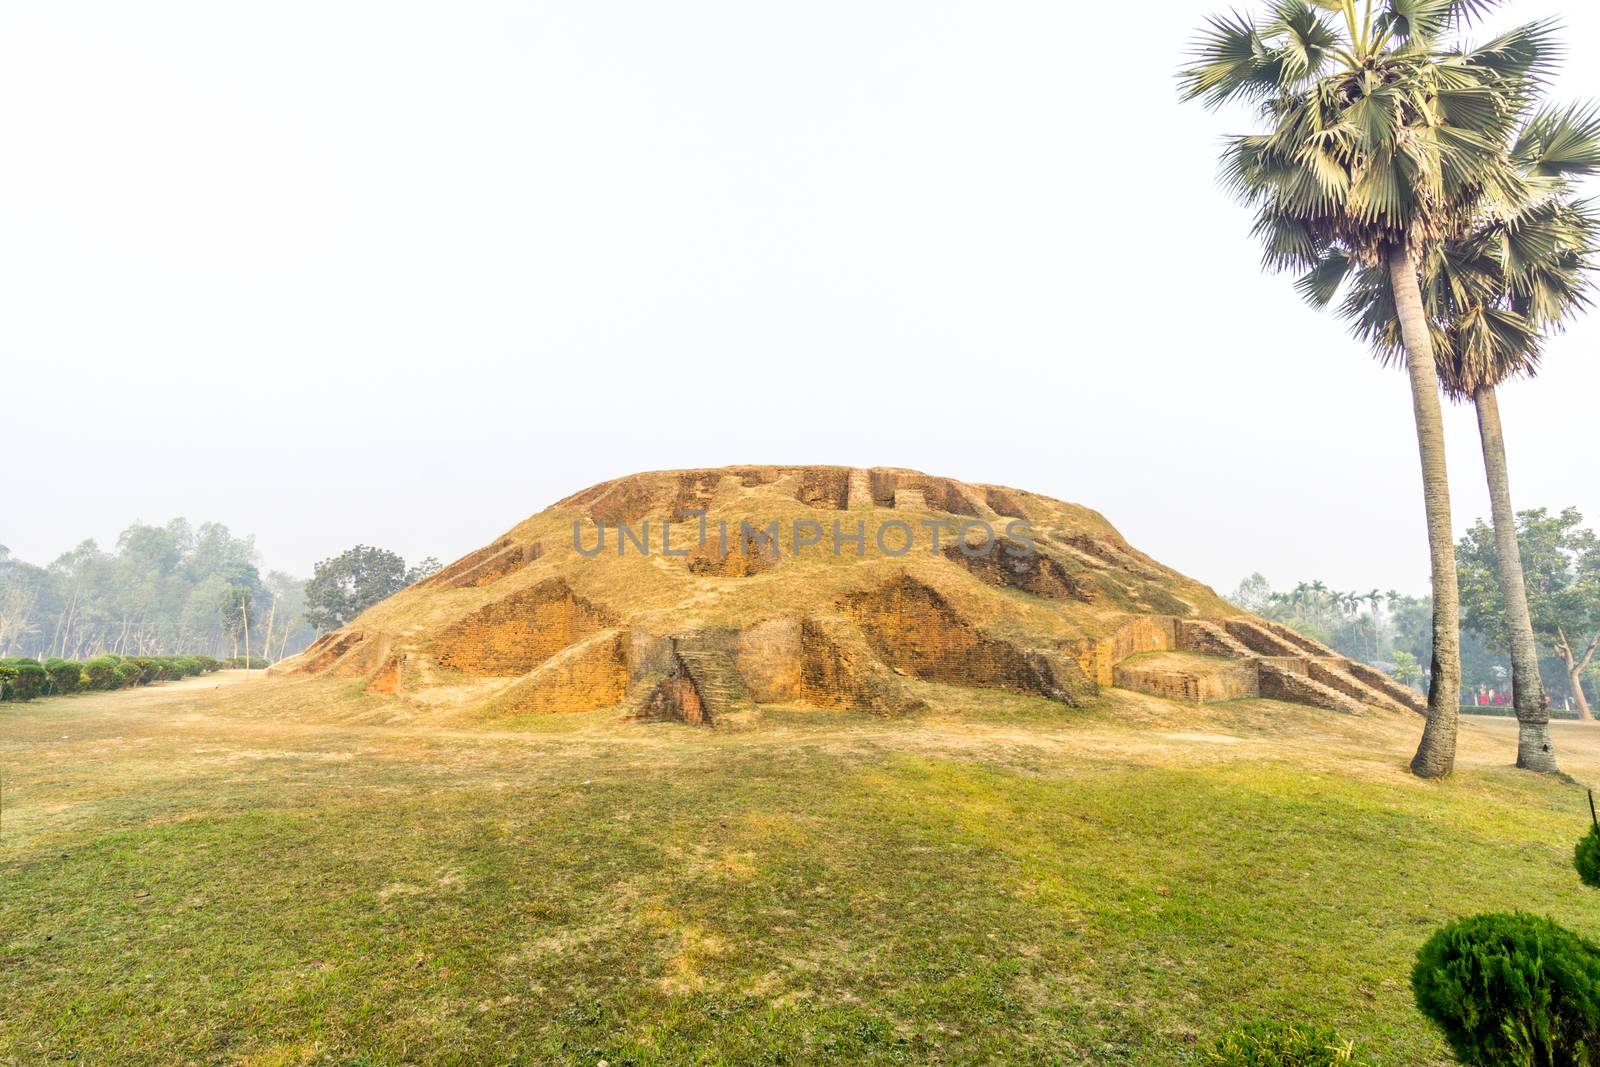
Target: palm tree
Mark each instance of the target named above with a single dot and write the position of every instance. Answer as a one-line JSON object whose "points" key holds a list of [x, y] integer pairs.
{"points": [[1298, 597], [1492, 298], [1380, 141]]}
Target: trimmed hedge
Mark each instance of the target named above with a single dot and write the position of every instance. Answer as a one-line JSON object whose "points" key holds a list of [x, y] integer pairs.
{"points": [[1512, 989], [25, 679], [22, 679]]}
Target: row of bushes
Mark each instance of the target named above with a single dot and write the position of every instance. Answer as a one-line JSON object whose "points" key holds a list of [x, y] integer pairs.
{"points": [[24, 679]]}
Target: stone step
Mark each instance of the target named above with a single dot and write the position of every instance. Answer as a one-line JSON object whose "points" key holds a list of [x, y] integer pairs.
{"points": [[1294, 637], [860, 491], [1261, 640], [717, 680], [1335, 673], [1208, 638], [910, 500], [1189, 677], [1278, 682], [1374, 678]]}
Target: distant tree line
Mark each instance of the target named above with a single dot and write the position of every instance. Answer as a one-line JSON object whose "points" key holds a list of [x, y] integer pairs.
{"points": [[164, 591], [177, 590]]}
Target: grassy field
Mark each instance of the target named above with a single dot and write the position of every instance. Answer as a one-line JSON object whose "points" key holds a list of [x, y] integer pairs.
{"points": [[271, 873]]}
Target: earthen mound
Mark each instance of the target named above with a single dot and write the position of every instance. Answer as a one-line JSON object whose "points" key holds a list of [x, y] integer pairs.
{"points": [[701, 595]]}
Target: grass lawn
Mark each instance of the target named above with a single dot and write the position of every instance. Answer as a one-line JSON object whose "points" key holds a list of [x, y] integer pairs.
{"points": [[282, 873]]}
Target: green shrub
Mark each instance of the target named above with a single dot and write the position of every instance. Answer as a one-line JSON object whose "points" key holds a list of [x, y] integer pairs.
{"points": [[100, 673], [23, 679], [254, 663], [208, 664], [147, 669], [1586, 857], [1266, 1043], [127, 675], [64, 675], [1512, 989]]}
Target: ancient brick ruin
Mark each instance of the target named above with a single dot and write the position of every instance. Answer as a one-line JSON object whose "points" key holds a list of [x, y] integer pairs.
{"points": [[710, 631]]}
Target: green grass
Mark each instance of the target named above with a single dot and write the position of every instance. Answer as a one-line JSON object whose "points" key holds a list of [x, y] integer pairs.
{"points": [[187, 882]]}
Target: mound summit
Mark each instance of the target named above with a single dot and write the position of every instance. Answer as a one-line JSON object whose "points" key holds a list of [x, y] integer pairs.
{"points": [[714, 591]]}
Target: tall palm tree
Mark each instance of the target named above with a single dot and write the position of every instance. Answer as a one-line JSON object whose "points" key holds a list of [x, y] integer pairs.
{"points": [[1492, 297], [1381, 138]]}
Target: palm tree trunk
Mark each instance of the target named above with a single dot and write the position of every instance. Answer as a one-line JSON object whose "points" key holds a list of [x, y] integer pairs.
{"points": [[1536, 749], [1436, 754]]}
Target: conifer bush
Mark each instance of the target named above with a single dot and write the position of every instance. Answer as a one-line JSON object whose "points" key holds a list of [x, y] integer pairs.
{"points": [[1586, 856], [1512, 989]]}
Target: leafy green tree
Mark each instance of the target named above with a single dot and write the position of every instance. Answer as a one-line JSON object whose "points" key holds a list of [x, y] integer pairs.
{"points": [[1253, 594], [427, 567], [348, 584], [157, 592], [1561, 562], [240, 612], [1406, 669], [23, 679], [1380, 139], [1510, 989]]}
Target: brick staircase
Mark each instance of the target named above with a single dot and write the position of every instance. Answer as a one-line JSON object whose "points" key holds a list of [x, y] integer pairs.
{"points": [[1289, 666], [717, 681], [910, 500], [859, 494], [1210, 639], [1267, 641], [1360, 681], [1281, 679]]}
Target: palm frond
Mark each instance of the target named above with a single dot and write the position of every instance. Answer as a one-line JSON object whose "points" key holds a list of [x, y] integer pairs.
{"points": [[1561, 143], [1304, 38], [1529, 52], [1321, 283], [1230, 60]]}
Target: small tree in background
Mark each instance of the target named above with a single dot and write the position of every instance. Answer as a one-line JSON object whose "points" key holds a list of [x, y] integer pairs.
{"points": [[1561, 564], [427, 567], [1407, 671], [348, 584]]}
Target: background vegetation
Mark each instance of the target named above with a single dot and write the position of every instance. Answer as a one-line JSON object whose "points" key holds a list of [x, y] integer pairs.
{"points": [[177, 589], [1393, 631], [164, 590]]}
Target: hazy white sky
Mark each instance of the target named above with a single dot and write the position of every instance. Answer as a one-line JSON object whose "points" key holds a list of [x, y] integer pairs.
{"points": [[404, 273]]}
